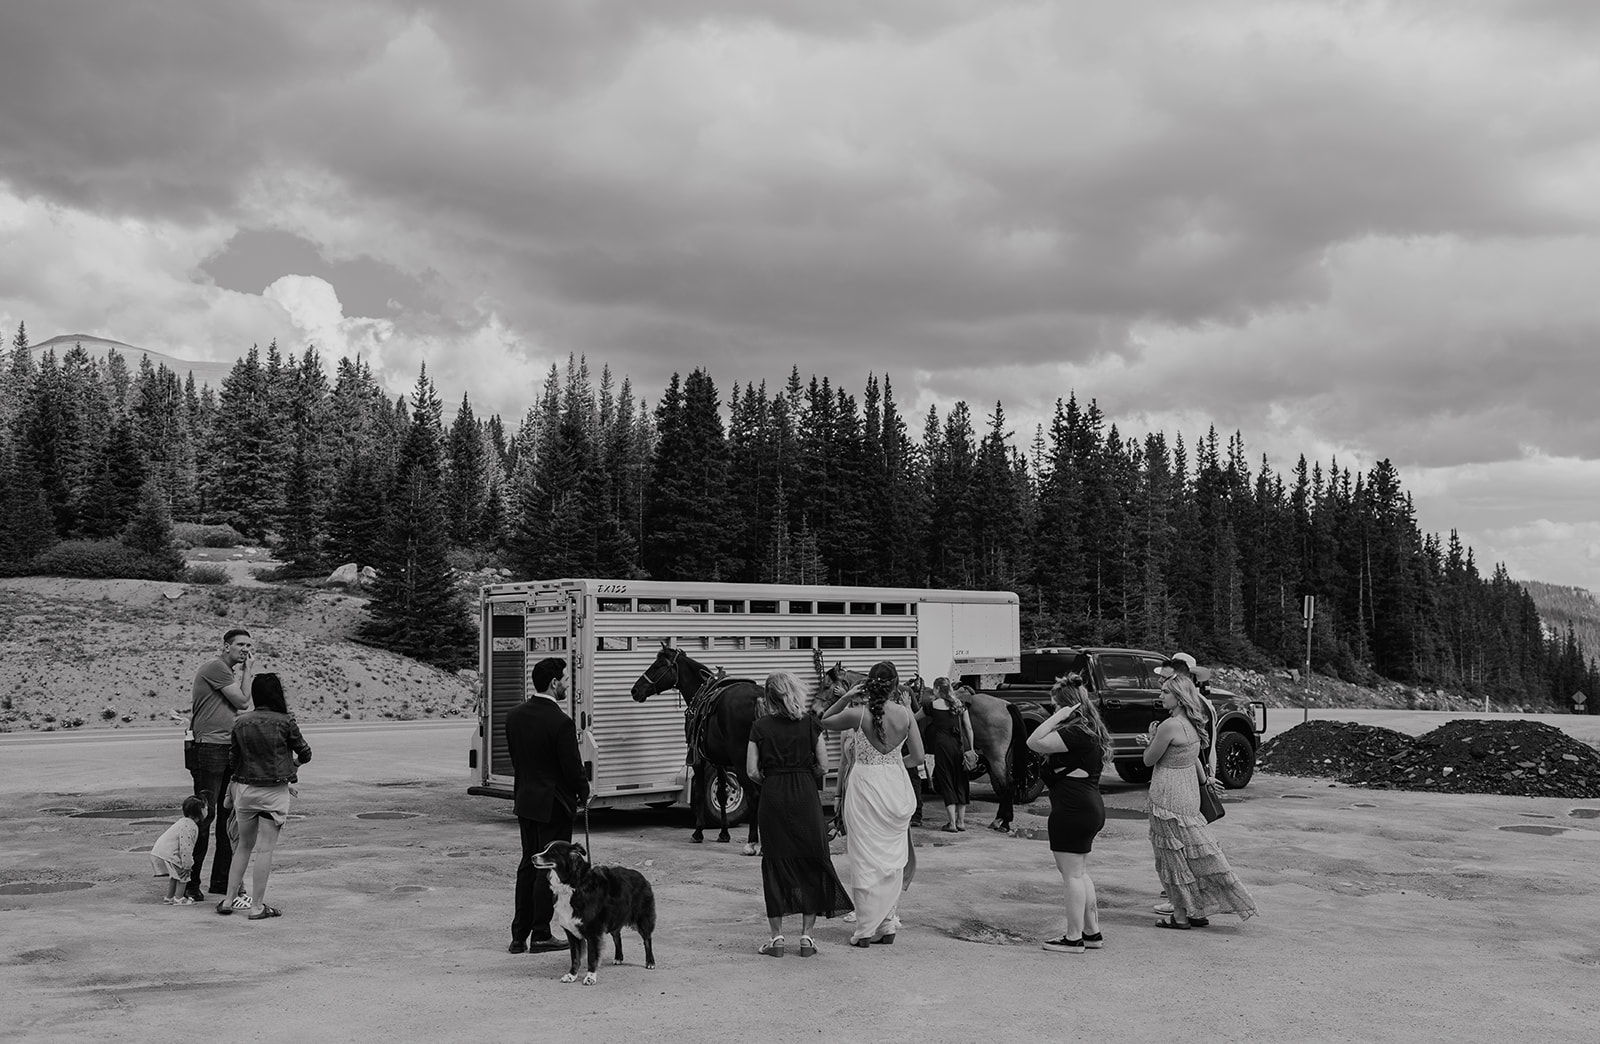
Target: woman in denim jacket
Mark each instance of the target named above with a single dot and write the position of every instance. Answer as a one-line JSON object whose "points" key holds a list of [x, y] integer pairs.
{"points": [[264, 757]]}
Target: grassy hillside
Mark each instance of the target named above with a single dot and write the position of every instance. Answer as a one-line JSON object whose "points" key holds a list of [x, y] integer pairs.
{"points": [[1559, 606]]}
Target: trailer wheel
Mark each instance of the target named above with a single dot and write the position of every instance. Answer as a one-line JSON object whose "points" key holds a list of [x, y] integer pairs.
{"points": [[738, 801]]}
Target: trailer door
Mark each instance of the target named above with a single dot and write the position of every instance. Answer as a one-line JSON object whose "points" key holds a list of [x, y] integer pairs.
{"points": [[524, 629]]}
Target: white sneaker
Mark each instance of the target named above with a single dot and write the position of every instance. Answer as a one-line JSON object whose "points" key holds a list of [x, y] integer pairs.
{"points": [[243, 902], [849, 918], [182, 900]]}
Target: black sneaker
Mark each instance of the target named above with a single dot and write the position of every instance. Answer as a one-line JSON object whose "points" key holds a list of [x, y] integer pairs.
{"points": [[1065, 945], [1095, 941], [517, 946]]}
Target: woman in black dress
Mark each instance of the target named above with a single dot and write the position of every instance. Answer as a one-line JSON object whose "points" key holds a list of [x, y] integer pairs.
{"points": [[786, 758], [1076, 741], [949, 740]]}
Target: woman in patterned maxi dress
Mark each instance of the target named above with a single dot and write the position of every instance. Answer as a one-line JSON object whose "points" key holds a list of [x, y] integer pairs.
{"points": [[1190, 863]]}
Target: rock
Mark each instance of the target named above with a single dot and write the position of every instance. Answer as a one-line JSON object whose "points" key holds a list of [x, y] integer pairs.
{"points": [[368, 574], [345, 574]]}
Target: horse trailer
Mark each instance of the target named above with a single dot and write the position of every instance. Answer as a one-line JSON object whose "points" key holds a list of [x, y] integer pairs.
{"points": [[609, 632]]}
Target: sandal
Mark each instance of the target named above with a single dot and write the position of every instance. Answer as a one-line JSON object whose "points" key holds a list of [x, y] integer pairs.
{"points": [[773, 948], [1171, 922], [807, 946], [886, 939], [265, 912], [948, 828], [225, 907]]}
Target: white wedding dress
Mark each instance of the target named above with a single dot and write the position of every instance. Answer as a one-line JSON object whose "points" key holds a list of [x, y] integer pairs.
{"points": [[877, 814]]}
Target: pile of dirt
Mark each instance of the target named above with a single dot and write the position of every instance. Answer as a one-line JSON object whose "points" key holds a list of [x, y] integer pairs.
{"points": [[1521, 758], [1331, 748]]}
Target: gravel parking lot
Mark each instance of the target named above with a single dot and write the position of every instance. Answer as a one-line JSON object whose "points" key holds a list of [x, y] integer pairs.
{"points": [[1385, 916]]}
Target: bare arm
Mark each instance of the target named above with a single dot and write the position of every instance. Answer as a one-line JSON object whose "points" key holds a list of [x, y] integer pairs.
{"points": [[840, 715], [1165, 734], [1044, 739], [915, 753], [752, 769]]}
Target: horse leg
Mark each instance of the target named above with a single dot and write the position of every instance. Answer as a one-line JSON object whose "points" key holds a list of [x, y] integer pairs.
{"points": [[697, 798], [722, 804]]}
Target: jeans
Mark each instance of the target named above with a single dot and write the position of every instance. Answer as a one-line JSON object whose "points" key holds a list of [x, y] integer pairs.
{"points": [[211, 779], [536, 904]]}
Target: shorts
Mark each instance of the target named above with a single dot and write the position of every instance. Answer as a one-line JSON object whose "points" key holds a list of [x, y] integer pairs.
{"points": [[167, 868], [262, 802]]}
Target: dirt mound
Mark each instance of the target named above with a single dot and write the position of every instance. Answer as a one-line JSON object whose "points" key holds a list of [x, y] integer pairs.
{"points": [[1331, 748], [1522, 758]]}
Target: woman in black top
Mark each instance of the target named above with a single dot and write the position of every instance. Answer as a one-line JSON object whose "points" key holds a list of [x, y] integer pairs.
{"points": [[950, 742], [786, 757], [1076, 741]]}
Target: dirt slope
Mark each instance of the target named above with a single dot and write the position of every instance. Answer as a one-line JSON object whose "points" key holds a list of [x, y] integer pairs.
{"points": [[120, 653]]}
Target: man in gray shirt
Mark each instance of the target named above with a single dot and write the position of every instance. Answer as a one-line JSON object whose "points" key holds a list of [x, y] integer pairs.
{"points": [[221, 691]]}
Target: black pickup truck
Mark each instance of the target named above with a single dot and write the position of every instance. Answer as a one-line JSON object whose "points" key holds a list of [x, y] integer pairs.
{"points": [[1128, 691]]}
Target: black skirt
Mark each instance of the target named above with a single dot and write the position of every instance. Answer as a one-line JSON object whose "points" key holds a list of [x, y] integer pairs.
{"points": [[1077, 814], [797, 875]]}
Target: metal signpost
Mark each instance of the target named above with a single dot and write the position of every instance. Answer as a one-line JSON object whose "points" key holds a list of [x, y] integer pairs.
{"points": [[1309, 612]]}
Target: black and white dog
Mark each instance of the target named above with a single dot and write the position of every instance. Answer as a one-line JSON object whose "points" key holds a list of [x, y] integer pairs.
{"points": [[592, 901]]}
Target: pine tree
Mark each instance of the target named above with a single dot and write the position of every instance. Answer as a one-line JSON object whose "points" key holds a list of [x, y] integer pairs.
{"points": [[416, 609], [467, 478], [150, 534]]}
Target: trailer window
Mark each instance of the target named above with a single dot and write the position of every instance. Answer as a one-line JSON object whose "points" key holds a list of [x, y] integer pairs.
{"points": [[727, 642], [863, 608], [833, 608], [690, 605], [863, 642], [614, 643], [892, 641], [893, 609], [770, 606], [799, 607], [762, 642], [801, 642], [830, 641], [698, 641], [720, 606], [655, 605], [548, 643], [614, 605]]}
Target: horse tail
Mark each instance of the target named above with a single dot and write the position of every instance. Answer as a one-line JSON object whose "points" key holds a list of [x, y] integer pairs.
{"points": [[1017, 752]]}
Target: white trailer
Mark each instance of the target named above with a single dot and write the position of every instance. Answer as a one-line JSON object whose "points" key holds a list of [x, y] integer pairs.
{"points": [[609, 631]]}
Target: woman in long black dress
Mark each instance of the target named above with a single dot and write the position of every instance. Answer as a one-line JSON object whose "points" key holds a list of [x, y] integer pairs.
{"points": [[950, 741], [786, 757], [1076, 741]]}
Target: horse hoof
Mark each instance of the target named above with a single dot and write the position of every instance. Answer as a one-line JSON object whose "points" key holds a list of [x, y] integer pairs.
{"points": [[724, 839], [752, 850], [698, 839]]}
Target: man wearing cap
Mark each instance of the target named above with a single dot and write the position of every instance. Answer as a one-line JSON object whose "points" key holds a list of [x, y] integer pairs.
{"points": [[550, 788]]}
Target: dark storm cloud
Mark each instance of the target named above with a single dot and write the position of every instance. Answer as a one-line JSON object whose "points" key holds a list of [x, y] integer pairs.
{"points": [[1153, 206]]}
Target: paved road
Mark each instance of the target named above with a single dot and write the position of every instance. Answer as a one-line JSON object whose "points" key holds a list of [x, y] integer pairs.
{"points": [[360, 751]]}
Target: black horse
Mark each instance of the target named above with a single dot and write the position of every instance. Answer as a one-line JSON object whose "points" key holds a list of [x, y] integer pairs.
{"points": [[716, 728]]}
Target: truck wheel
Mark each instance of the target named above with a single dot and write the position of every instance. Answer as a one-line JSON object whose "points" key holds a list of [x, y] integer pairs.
{"points": [[1031, 783], [738, 802], [1134, 771], [1236, 760]]}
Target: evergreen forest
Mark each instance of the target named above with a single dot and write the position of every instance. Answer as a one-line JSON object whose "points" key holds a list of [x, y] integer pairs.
{"points": [[1156, 542]]}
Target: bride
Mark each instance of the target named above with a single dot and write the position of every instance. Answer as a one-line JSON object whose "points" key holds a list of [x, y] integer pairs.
{"points": [[879, 800]]}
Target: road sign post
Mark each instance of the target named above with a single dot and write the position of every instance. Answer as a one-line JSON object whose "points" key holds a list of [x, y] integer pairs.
{"points": [[1309, 612]]}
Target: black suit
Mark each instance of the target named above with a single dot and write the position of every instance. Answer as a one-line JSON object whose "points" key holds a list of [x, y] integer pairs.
{"points": [[550, 785]]}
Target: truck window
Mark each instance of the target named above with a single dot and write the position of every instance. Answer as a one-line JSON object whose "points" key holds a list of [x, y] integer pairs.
{"points": [[1122, 671], [1152, 680]]}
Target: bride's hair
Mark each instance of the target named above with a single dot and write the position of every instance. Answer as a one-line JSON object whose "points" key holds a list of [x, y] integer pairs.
{"points": [[881, 682]]}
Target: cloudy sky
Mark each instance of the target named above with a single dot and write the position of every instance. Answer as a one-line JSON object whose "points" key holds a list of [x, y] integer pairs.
{"points": [[1357, 229]]}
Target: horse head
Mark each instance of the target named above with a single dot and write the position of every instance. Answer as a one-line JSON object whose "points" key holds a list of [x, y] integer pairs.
{"points": [[661, 675]]}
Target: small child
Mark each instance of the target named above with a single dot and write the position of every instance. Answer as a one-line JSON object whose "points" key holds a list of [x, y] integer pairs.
{"points": [[173, 853]]}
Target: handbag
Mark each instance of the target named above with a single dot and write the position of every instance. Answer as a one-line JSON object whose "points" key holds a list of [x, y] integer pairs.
{"points": [[1210, 802]]}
